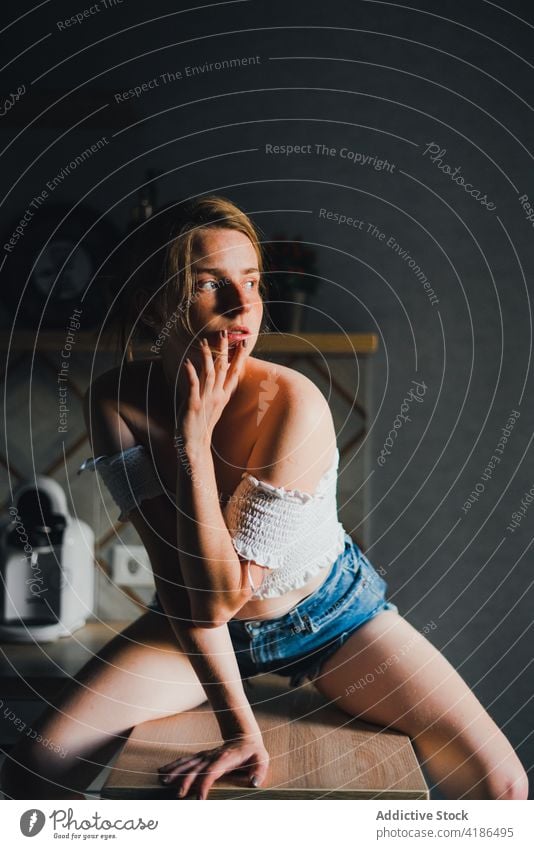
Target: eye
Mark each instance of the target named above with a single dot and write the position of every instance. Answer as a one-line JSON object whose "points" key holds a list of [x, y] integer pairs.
{"points": [[207, 285]]}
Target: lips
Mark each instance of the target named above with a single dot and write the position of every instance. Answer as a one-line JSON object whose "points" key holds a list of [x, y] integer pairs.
{"points": [[235, 337], [238, 328]]}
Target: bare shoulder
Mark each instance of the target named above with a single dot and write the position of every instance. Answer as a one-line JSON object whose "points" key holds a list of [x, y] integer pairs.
{"points": [[292, 383], [110, 406], [297, 438]]}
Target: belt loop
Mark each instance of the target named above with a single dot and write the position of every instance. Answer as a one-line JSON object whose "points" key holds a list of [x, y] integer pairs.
{"points": [[309, 624], [303, 623], [298, 626]]}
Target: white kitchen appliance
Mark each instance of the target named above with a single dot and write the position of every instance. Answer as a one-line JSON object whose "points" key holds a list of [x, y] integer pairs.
{"points": [[47, 575]]}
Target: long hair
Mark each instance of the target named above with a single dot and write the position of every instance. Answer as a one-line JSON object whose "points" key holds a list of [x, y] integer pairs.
{"points": [[159, 287]]}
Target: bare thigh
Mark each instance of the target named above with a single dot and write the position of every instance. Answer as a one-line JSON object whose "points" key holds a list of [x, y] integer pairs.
{"points": [[141, 674], [389, 674]]}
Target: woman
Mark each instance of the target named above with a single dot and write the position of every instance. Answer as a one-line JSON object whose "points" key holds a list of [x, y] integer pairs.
{"points": [[226, 465]]}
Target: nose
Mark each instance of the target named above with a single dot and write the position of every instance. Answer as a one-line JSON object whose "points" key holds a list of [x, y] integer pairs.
{"points": [[237, 298]]}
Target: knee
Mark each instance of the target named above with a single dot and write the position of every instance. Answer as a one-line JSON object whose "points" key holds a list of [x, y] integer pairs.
{"points": [[507, 783]]}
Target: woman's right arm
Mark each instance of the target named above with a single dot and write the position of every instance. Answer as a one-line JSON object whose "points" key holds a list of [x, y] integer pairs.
{"points": [[210, 650]]}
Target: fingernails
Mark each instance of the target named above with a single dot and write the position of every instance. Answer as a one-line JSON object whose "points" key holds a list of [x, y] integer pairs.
{"points": [[244, 343], [254, 781]]}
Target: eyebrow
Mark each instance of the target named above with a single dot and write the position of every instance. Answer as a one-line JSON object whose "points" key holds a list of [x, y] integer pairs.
{"points": [[221, 271]]}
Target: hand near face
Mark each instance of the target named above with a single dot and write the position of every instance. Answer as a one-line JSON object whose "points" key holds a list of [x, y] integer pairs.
{"points": [[208, 393]]}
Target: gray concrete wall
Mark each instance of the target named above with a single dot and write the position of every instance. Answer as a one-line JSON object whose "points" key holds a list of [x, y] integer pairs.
{"points": [[386, 82]]}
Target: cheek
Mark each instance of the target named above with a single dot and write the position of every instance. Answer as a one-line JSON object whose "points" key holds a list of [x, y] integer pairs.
{"points": [[200, 312]]}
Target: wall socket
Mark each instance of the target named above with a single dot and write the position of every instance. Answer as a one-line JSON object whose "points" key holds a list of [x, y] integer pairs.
{"points": [[130, 566]]}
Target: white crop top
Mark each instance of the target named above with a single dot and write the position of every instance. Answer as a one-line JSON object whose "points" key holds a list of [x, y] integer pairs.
{"points": [[294, 534]]}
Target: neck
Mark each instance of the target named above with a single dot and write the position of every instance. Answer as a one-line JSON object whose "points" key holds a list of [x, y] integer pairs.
{"points": [[177, 383]]}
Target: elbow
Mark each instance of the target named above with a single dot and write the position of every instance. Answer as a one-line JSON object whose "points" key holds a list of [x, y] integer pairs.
{"points": [[211, 618], [207, 609], [214, 616], [211, 623]]}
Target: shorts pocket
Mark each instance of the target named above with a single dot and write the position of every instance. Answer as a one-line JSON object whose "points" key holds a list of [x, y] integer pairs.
{"points": [[310, 606], [334, 608], [365, 592], [376, 583]]}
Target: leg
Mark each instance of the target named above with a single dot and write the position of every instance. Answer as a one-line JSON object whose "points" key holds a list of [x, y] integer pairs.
{"points": [[141, 674], [389, 674]]}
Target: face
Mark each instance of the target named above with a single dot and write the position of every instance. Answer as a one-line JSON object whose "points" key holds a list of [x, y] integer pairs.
{"points": [[225, 293], [225, 296]]}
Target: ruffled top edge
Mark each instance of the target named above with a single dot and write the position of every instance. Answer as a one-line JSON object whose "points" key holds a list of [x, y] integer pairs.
{"points": [[91, 462], [295, 580], [294, 494]]}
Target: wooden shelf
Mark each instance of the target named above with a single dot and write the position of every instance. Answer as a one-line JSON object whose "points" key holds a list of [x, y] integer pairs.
{"points": [[304, 344]]}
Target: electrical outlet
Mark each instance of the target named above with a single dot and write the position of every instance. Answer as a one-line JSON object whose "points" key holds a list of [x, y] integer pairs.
{"points": [[130, 566]]}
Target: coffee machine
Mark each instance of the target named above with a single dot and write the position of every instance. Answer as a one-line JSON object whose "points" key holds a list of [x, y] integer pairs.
{"points": [[47, 576]]}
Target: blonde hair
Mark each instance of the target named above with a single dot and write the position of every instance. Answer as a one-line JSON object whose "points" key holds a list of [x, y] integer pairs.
{"points": [[160, 288]]}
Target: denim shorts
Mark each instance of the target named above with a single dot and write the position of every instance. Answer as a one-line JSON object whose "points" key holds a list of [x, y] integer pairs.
{"points": [[297, 644]]}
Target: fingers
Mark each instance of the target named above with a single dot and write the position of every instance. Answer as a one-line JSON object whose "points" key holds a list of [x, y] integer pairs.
{"points": [[211, 387], [234, 762], [221, 361], [194, 382], [237, 364], [225, 762], [259, 768], [183, 773], [194, 776], [178, 764], [187, 780], [224, 365], [187, 774], [208, 373], [184, 760]]}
